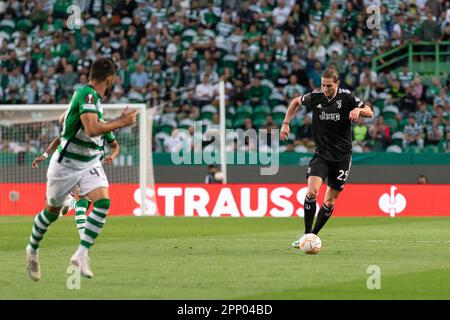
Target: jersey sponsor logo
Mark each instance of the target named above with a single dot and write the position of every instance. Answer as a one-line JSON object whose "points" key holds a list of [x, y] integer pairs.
{"points": [[330, 116], [339, 104], [89, 98]]}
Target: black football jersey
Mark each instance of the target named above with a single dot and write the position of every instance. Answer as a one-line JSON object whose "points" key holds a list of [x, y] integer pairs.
{"points": [[332, 128]]}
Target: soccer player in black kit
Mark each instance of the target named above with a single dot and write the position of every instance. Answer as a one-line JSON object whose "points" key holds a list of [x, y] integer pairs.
{"points": [[333, 109]]}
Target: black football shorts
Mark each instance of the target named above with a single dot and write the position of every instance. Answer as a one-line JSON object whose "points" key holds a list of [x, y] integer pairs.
{"points": [[335, 171]]}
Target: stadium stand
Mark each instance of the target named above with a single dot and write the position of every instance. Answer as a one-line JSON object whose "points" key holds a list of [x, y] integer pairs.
{"points": [[174, 52]]}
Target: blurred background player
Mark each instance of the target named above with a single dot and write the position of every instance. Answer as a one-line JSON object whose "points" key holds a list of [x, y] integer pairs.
{"points": [[333, 110], [77, 162]]}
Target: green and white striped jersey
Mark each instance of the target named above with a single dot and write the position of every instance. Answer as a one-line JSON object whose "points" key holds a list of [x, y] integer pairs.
{"points": [[77, 149]]}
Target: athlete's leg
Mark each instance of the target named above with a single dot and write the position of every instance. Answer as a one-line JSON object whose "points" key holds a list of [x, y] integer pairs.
{"points": [[327, 209], [314, 184], [93, 184]]}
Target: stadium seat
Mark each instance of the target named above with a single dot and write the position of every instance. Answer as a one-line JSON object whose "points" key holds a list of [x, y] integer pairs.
{"points": [[357, 149], [397, 138], [261, 111], [301, 149], [392, 123], [24, 25], [394, 148], [208, 112], [7, 26], [5, 35], [390, 111], [276, 99], [186, 123], [239, 121], [244, 111], [431, 149], [281, 108], [259, 121], [126, 21]]}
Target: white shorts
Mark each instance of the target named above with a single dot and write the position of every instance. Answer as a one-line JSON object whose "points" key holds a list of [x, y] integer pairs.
{"points": [[61, 180]]}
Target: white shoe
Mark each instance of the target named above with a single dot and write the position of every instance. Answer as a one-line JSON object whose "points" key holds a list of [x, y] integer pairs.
{"points": [[82, 262], [296, 243], [33, 266]]}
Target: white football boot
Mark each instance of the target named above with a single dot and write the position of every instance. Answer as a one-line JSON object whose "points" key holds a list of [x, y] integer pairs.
{"points": [[82, 262], [296, 243], [33, 266]]}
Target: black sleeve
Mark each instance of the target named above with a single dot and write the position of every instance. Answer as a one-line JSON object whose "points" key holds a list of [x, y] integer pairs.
{"points": [[306, 101], [354, 102]]}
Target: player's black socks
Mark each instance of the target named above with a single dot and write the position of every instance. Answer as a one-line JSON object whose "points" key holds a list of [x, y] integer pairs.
{"points": [[310, 211], [322, 218]]}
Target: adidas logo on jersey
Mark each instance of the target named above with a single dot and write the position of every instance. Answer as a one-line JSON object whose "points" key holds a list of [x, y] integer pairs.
{"points": [[330, 116], [319, 106]]}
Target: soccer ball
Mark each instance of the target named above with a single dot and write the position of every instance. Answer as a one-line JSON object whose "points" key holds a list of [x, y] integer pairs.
{"points": [[310, 243]]}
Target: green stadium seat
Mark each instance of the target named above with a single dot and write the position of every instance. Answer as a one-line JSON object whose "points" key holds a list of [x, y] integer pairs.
{"points": [[188, 35], [24, 25], [239, 121], [276, 99], [392, 123], [244, 111], [7, 26], [261, 111], [259, 121], [397, 138], [390, 111], [394, 148], [431, 149]]}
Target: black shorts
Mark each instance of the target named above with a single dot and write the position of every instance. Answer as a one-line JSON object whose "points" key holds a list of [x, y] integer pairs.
{"points": [[335, 171]]}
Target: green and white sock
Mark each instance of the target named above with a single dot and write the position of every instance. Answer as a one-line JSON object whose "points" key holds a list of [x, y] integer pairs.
{"points": [[41, 224], [94, 225], [81, 208]]}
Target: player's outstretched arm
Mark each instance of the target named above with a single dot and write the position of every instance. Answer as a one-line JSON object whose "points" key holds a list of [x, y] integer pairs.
{"points": [[49, 151], [94, 128], [292, 109], [114, 153]]}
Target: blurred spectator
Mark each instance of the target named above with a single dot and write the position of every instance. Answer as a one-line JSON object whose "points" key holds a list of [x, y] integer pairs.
{"points": [[412, 134], [434, 132], [204, 92], [422, 179], [380, 135], [211, 176], [430, 29]]}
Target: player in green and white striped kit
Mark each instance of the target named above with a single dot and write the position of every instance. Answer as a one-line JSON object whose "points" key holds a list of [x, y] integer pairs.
{"points": [[77, 162], [73, 200]]}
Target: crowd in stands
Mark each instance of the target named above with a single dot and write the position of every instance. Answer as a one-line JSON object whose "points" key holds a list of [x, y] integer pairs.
{"points": [[173, 53]]}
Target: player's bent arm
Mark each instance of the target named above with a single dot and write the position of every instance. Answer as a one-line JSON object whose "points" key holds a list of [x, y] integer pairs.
{"points": [[94, 128], [115, 149], [292, 109], [366, 112], [49, 151]]}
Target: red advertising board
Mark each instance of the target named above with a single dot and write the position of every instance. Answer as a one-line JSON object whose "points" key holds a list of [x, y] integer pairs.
{"points": [[245, 200]]}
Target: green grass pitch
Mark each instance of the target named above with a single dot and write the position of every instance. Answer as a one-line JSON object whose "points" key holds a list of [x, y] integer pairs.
{"points": [[226, 258]]}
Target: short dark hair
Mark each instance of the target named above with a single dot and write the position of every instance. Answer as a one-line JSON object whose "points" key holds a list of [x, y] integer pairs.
{"points": [[102, 68], [331, 73]]}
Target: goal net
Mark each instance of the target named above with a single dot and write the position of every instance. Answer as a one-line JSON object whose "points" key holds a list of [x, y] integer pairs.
{"points": [[27, 130]]}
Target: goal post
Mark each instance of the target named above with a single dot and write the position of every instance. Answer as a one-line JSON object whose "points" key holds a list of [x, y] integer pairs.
{"points": [[27, 130]]}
